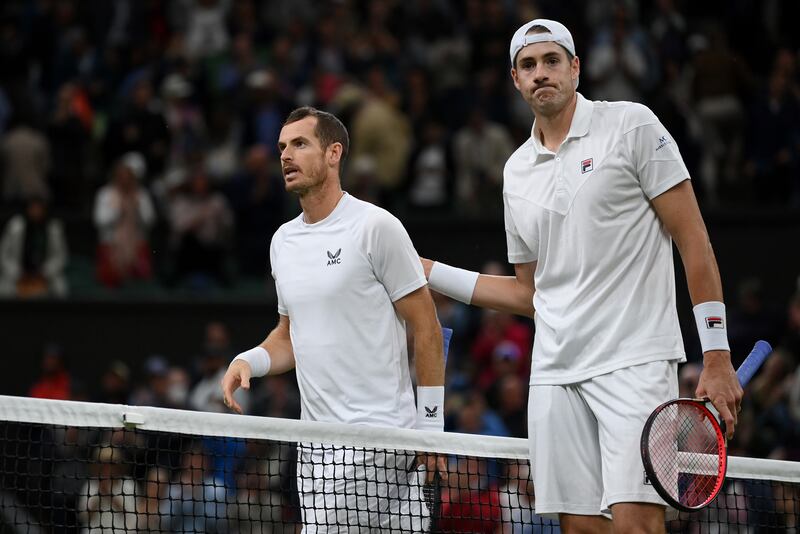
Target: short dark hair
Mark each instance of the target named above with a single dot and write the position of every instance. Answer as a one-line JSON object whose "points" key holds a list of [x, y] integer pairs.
{"points": [[538, 28], [329, 129]]}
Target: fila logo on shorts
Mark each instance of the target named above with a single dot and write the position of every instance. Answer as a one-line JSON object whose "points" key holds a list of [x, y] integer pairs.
{"points": [[587, 165], [431, 413], [714, 322], [333, 258]]}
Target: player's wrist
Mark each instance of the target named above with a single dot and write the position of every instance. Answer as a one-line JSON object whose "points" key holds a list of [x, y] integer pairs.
{"points": [[712, 326], [456, 283], [257, 358], [430, 408]]}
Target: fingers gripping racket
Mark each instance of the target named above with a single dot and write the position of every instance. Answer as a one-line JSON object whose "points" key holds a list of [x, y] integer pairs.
{"points": [[683, 445]]}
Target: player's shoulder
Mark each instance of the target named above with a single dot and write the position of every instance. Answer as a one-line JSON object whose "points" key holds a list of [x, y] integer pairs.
{"points": [[369, 214], [622, 115]]}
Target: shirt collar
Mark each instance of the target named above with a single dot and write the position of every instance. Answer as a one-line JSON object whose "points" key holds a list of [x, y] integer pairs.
{"points": [[579, 127]]}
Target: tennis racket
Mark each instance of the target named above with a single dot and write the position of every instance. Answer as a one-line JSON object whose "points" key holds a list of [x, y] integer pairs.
{"points": [[432, 491], [683, 446]]}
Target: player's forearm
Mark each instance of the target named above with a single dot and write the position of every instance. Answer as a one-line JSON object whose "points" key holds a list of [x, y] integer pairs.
{"points": [[702, 273], [281, 352], [429, 355], [503, 293]]}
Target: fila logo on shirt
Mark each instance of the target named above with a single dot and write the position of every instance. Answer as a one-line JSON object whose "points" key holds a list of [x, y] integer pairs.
{"points": [[714, 322], [587, 165], [431, 413], [333, 258]]}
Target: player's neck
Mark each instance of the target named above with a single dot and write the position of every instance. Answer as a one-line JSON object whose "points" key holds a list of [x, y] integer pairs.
{"points": [[552, 130], [319, 203]]}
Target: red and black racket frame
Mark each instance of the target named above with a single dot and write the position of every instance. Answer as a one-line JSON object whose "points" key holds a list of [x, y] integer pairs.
{"points": [[723, 454]]}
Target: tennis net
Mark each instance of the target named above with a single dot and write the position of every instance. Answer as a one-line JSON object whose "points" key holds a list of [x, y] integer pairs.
{"points": [[85, 467]]}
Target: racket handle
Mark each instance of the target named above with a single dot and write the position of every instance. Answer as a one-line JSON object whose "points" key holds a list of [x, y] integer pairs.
{"points": [[447, 333], [753, 361]]}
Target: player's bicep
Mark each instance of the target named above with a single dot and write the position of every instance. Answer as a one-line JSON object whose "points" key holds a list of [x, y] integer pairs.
{"points": [[679, 213], [417, 309]]}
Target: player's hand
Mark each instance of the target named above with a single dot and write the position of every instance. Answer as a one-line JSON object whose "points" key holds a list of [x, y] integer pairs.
{"points": [[433, 463], [427, 265], [719, 384], [237, 376]]}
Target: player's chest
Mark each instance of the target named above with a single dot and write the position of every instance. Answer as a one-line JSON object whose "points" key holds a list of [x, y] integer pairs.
{"points": [[319, 268]]}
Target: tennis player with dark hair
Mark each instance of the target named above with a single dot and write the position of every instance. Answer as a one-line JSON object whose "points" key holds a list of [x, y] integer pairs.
{"points": [[348, 281], [593, 201]]}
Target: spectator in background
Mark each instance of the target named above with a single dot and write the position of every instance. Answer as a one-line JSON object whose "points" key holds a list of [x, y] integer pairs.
{"points": [[791, 336], [155, 389], [380, 131], [139, 127], [115, 384], [470, 501], [206, 31], [201, 224], [475, 417], [517, 504], [107, 503], [26, 160], [688, 378], [33, 254], [262, 115], [197, 499], [719, 80], [123, 214], [258, 200], [509, 399], [481, 150], [55, 381], [619, 59], [206, 395], [152, 501], [431, 169], [69, 132], [773, 147], [750, 320], [185, 121]]}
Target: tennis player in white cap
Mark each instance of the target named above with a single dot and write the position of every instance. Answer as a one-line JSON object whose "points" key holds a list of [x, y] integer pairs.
{"points": [[593, 201]]}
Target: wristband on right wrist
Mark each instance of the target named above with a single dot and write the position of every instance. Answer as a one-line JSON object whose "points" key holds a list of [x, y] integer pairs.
{"points": [[458, 284], [711, 326], [258, 359]]}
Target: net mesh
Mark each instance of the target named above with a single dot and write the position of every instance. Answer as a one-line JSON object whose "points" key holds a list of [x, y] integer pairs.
{"points": [[68, 467]]}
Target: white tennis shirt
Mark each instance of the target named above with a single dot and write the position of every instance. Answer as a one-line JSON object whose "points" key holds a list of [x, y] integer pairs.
{"points": [[605, 282], [336, 281]]}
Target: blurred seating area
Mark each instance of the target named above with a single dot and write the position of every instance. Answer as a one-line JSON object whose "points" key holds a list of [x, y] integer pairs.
{"points": [[138, 138]]}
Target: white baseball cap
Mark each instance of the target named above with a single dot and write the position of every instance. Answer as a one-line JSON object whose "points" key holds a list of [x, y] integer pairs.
{"points": [[558, 34]]}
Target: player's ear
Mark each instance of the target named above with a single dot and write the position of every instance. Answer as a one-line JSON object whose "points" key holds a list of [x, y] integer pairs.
{"points": [[515, 78], [334, 153]]}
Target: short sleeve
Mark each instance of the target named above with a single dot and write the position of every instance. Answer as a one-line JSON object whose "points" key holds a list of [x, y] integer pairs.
{"points": [[394, 259], [273, 258], [518, 249], [654, 153]]}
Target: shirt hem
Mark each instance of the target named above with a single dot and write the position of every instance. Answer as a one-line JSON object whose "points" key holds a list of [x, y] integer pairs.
{"points": [[405, 290], [602, 370]]}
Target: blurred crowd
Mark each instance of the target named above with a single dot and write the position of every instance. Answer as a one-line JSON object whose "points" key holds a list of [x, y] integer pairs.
{"points": [[141, 135]]}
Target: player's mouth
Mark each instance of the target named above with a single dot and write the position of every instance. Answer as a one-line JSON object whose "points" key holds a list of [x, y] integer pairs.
{"points": [[290, 171]]}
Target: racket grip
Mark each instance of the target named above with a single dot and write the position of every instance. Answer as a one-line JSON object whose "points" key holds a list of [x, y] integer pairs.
{"points": [[447, 333], [753, 361]]}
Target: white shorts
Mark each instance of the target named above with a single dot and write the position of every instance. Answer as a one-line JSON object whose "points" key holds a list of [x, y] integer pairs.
{"points": [[585, 439], [351, 490]]}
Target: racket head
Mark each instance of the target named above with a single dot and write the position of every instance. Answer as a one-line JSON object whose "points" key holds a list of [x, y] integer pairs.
{"points": [[685, 453]]}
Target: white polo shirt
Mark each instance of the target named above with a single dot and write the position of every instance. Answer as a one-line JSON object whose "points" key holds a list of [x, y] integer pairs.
{"points": [[605, 283], [336, 281]]}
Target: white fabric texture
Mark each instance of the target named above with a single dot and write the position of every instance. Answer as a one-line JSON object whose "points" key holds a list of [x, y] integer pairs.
{"points": [[337, 280], [605, 282]]}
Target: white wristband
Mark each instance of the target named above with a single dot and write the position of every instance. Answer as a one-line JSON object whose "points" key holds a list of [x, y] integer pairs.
{"points": [[430, 408], [456, 283], [711, 326], [258, 359]]}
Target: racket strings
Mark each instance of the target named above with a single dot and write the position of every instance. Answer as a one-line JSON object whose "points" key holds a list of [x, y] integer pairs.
{"points": [[685, 453]]}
